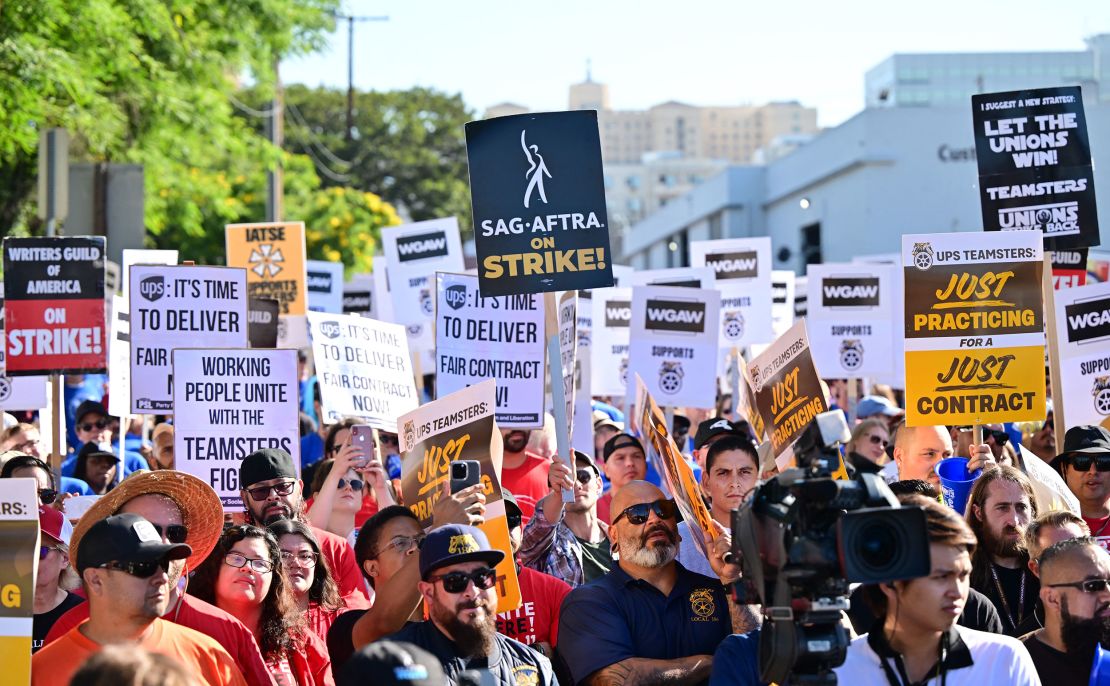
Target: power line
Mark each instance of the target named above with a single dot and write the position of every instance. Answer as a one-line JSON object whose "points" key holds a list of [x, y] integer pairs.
{"points": [[247, 109], [299, 119]]}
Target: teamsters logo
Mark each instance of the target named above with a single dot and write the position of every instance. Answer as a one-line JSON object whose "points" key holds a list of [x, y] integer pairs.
{"points": [[733, 325], [427, 305], [5, 388], [702, 605], [1101, 395], [670, 377], [410, 434], [922, 256], [851, 354], [624, 371]]}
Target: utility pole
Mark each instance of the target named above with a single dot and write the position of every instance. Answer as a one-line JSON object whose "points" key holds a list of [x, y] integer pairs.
{"points": [[275, 178], [351, 19]]}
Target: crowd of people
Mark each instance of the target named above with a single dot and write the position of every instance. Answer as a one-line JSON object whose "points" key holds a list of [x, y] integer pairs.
{"points": [[327, 578]]}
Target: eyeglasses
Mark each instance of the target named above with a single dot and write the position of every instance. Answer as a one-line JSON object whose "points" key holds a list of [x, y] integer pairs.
{"points": [[513, 520], [304, 558], [47, 495], [1082, 463], [584, 476], [876, 440], [239, 561], [456, 582], [638, 513], [44, 550], [139, 570], [260, 493], [403, 544], [174, 533], [1087, 585], [89, 426], [355, 484], [1000, 437]]}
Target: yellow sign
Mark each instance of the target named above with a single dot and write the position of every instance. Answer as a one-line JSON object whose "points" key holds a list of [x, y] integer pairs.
{"points": [[274, 256], [975, 386], [19, 544]]}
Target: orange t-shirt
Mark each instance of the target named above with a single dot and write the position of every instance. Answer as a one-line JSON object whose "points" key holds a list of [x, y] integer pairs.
{"points": [[202, 656]]}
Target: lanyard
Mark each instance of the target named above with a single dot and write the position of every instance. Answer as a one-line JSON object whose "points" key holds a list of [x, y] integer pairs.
{"points": [[902, 679], [1009, 614]]}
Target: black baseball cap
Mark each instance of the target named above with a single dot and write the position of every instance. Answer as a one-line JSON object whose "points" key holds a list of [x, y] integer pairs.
{"points": [[391, 663], [1088, 439], [452, 544], [91, 449], [621, 441], [266, 464], [510, 503], [715, 426], [580, 456], [125, 538], [88, 407]]}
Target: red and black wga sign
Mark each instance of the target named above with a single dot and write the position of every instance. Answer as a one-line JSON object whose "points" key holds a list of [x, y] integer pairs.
{"points": [[54, 305]]}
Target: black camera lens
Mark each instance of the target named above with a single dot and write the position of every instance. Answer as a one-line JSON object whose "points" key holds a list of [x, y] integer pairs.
{"points": [[883, 544], [876, 546]]}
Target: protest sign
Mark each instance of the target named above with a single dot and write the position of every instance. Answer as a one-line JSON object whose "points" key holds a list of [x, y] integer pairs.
{"points": [[782, 300], [787, 389], [459, 426], [612, 316], [622, 275], [54, 312], [363, 367], [538, 195], [111, 278], [742, 267], [383, 299], [674, 343], [262, 322], [133, 256], [850, 319], [1035, 170], [1083, 339], [689, 277], [358, 296], [567, 321], [676, 472], [499, 338], [801, 297], [19, 557], [324, 282], [22, 392], [119, 356], [228, 404], [175, 305], [273, 254], [1069, 268], [582, 432], [974, 328]]}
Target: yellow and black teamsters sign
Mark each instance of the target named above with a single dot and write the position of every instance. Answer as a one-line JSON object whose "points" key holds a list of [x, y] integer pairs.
{"points": [[974, 327], [788, 393], [19, 546]]}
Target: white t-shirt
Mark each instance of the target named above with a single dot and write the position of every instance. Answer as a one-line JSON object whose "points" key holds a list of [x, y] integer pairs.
{"points": [[996, 661]]}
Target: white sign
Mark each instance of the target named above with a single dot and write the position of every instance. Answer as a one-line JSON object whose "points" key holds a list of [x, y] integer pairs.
{"points": [[132, 256], [897, 378], [612, 316], [1083, 338], [324, 283], [498, 338], [568, 351], [743, 270], [228, 404], [173, 306], [363, 367], [782, 300], [621, 274], [22, 392], [690, 277], [674, 343], [851, 319], [582, 436]]}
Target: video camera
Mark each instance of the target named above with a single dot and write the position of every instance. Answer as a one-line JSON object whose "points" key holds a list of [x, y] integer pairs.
{"points": [[803, 537]]}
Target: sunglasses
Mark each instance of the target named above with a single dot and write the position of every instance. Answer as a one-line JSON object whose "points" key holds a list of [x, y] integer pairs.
{"points": [[260, 493], [139, 570], [301, 559], [1082, 463], [89, 426], [47, 495], [456, 582], [355, 484], [584, 476], [239, 561], [1087, 585], [174, 533], [44, 550], [876, 440], [513, 520], [403, 544], [1000, 437], [638, 513]]}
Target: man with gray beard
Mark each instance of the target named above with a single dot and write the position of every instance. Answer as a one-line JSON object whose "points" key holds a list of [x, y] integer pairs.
{"points": [[649, 620]]}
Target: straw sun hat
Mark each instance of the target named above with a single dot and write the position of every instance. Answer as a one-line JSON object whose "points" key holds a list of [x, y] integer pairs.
{"points": [[201, 509]]}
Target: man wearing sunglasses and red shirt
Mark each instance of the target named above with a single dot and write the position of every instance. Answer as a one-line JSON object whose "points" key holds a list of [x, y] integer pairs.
{"points": [[457, 580], [1085, 465]]}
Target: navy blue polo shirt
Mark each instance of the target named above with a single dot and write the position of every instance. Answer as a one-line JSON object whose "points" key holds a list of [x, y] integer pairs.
{"points": [[736, 662], [616, 617]]}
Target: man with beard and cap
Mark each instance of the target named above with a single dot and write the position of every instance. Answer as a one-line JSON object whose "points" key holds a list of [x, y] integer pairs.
{"points": [[624, 460], [1085, 465], [999, 509], [271, 491], [457, 582], [1075, 592], [650, 620], [523, 472]]}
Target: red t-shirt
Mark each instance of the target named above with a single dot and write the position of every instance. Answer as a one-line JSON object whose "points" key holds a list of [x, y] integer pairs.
{"points": [[537, 618], [198, 615], [1100, 529], [309, 666], [527, 483], [603, 507], [344, 568]]}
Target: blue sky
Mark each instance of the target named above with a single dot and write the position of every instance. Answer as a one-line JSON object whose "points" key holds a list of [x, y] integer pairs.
{"points": [[701, 52]]}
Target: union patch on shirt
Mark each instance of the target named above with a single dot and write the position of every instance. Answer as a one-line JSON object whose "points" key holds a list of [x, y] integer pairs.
{"points": [[526, 675], [702, 606]]}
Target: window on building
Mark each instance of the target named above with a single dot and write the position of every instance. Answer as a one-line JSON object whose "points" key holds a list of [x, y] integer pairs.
{"points": [[811, 244], [633, 181]]}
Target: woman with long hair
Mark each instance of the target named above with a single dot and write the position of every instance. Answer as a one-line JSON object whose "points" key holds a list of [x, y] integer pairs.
{"points": [[315, 593], [867, 449], [244, 576]]}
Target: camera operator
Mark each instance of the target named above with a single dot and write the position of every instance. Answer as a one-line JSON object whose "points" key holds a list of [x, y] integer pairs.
{"points": [[917, 640]]}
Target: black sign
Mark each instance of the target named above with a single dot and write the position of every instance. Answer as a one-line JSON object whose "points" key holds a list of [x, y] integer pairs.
{"points": [[262, 322], [838, 291], [358, 302], [618, 313], [1088, 320], [734, 265], [538, 195], [1070, 259], [674, 315], [421, 246], [1035, 168], [678, 283]]}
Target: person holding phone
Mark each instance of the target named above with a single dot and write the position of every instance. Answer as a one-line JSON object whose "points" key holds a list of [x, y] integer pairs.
{"points": [[353, 472]]}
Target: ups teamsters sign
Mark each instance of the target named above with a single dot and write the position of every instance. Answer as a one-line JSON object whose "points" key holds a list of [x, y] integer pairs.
{"points": [[538, 195], [787, 389], [974, 328], [674, 343]]}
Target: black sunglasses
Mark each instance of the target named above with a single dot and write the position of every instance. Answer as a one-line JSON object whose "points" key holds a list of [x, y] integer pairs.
{"points": [[356, 484], [584, 475], [513, 520], [174, 533], [1087, 585], [876, 440], [89, 426], [47, 495], [456, 582], [1082, 463], [260, 493], [638, 513], [140, 570]]}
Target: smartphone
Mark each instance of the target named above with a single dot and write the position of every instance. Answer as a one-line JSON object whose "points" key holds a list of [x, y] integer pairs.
{"points": [[362, 435], [464, 474]]}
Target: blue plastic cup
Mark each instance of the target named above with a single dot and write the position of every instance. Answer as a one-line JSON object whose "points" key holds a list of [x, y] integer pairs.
{"points": [[956, 482], [1100, 668]]}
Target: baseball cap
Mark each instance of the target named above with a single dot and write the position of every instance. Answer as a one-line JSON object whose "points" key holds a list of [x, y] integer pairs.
{"points": [[53, 523], [88, 407], [452, 544], [871, 405], [91, 449], [1086, 438], [580, 456], [620, 441], [715, 426], [510, 502], [602, 418], [266, 464], [125, 538], [391, 663]]}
